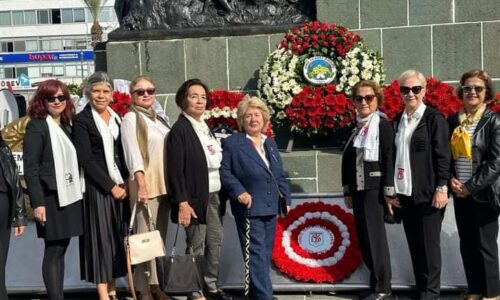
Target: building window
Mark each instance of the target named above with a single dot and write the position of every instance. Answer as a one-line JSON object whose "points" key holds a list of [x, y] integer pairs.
{"points": [[67, 15], [46, 70], [22, 70], [31, 45], [71, 70], [81, 44], [56, 16], [43, 17], [18, 18], [44, 45], [5, 19], [59, 70], [56, 45], [29, 17], [79, 15], [10, 72], [69, 44], [34, 72], [7, 46], [19, 46]]}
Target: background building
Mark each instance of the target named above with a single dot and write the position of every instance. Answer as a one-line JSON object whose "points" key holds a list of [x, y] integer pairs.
{"points": [[41, 39]]}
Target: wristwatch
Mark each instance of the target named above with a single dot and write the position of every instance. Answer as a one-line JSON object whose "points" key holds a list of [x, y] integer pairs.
{"points": [[442, 188]]}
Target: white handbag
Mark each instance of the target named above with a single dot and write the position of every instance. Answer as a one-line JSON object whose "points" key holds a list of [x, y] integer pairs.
{"points": [[146, 246]]}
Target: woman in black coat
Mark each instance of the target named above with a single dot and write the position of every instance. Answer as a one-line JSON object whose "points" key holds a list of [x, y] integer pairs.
{"points": [[96, 134], [421, 174], [52, 177], [475, 144], [368, 181], [12, 208]]}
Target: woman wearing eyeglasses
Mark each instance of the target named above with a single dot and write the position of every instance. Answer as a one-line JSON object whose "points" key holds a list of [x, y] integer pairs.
{"points": [[96, 134], [143, 134], [475, 145], [368, 182], [53, 179], [421, 176]]}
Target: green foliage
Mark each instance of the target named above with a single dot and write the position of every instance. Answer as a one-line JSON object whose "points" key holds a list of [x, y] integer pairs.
{"points": [[75, 89]]}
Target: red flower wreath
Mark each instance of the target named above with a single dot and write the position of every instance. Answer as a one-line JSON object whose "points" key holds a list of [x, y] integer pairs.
{"points": [[330, 230], [494, 105], [320, 108], [121, 103], [439, 95]]}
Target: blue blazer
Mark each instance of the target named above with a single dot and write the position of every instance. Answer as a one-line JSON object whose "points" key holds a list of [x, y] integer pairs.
{"points": [[243, 170]]}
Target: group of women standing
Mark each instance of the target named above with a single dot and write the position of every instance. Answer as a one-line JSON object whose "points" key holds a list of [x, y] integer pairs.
{"points": [[87, 173], [404, 171]]}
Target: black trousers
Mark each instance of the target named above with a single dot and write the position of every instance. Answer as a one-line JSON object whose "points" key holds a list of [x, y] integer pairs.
{"points": [[5, 229], [370, 227], [422, 225], [477, 225]]}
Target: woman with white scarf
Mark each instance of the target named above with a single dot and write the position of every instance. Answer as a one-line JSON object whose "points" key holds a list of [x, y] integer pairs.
{"points": [[143, 135], [367, 178], [96, 134], [421, 174], [53, 179]]}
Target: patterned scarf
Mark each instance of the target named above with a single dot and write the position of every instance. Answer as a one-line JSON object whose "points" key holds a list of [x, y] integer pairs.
{"points": [[461, 140], [141, 130]]}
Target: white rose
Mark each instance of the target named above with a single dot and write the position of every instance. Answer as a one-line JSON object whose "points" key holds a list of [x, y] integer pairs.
{"points": [[353, 80]]}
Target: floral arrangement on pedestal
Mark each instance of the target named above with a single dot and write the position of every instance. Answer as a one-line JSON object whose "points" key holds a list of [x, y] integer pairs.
{"points": [[494, 104], [221, 110], [439, 95], [308, 79]]}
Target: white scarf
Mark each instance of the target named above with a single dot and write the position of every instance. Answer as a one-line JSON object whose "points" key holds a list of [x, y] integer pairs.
{"points": [[368, 137], [108, 137], [402, 171], [66, 165]]}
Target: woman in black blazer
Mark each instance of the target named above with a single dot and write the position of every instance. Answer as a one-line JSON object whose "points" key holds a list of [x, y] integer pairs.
{"points": [[54, 191], [193, 158], [475, 143], [12, 208], [421, 174], [368, 185], [96, 134]]}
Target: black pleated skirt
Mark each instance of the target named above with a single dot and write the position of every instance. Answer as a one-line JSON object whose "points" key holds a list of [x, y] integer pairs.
{"points": [[102, 252]]}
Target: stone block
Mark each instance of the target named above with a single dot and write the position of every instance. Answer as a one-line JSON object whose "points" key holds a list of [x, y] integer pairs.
{"points": [[246, 55], [171, 109], [371, 38], [164, 62], [457, 49], [206, 59], [299, 164], [274, 41], [123, 60], [491, 48], [430, 12], [329, 171], [342, 12], [479, 10], [383, 13], [401, 53], [303, 185]]}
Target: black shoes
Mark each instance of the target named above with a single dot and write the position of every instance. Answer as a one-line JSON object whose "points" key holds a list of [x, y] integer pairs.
{"points": [[219, 295], [378, 296]]}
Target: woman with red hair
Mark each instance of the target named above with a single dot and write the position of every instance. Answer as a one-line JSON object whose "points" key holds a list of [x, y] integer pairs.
{"points": [[52, 177]]}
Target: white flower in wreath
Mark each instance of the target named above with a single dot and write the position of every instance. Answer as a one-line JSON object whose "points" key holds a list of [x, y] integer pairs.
{"points": [[353, 80], [354, 70], [366, 74]]}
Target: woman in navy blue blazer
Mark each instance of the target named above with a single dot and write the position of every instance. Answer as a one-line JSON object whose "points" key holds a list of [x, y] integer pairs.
{"points": [[252, 173]]}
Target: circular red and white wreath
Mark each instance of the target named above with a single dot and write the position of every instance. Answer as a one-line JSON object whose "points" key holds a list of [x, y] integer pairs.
{"points": [[316, 242]]}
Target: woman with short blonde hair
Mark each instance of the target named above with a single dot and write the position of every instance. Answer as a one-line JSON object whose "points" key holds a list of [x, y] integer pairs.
{"points": [[255, 102]]}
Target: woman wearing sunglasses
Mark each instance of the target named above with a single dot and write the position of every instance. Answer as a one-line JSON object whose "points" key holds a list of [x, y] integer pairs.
{"points": [[369, 152], [96, 134], [421, 175], [143, 134], [475, 145], [52, 177]]}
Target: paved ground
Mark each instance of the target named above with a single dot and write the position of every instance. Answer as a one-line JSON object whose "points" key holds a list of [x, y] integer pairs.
{"points": [[313, 296]]}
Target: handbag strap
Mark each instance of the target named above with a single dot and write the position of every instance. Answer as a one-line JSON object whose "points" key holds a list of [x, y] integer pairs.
{"points": [[172, 253], [151, 224]]}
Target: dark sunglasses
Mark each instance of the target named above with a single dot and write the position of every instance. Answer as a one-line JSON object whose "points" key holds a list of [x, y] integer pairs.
{"points": [[469, 88], [142, 92], [367, 98], [52, 99], [405, 90]]}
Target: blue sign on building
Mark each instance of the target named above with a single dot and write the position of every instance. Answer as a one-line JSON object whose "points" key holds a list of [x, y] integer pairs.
{"points": [[52, 56]]}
